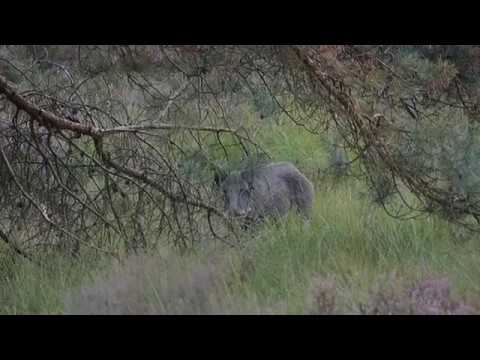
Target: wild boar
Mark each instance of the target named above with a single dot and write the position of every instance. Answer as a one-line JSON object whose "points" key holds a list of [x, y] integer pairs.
{"points": [[270, 190]]}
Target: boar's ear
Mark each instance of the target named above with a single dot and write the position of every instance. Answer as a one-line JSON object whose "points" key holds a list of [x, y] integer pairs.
{"points": [[219, 177], [247, 176]]}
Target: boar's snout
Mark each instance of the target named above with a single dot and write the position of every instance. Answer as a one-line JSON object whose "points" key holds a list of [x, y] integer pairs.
{"points": [[238, 212]]}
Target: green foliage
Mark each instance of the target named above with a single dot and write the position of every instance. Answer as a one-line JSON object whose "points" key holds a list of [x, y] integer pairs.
{"points": [[264, 104]]}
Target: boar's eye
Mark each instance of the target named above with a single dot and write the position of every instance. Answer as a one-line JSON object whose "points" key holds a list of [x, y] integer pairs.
{"points": [[244, 193]]}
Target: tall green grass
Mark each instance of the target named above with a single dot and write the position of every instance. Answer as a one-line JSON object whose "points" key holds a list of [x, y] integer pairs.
{"points": [[287, 142], [356, 245], [26, 288]]}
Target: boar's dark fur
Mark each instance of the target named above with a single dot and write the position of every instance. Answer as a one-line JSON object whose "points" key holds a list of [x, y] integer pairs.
{"points": [[270, 190]]}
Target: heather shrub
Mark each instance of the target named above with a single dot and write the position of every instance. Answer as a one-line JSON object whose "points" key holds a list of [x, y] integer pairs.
{"points": [[322, 296], [429, 296]]}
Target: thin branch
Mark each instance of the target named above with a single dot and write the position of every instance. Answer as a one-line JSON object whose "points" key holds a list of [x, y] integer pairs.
{"points": [[16, 249]]}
